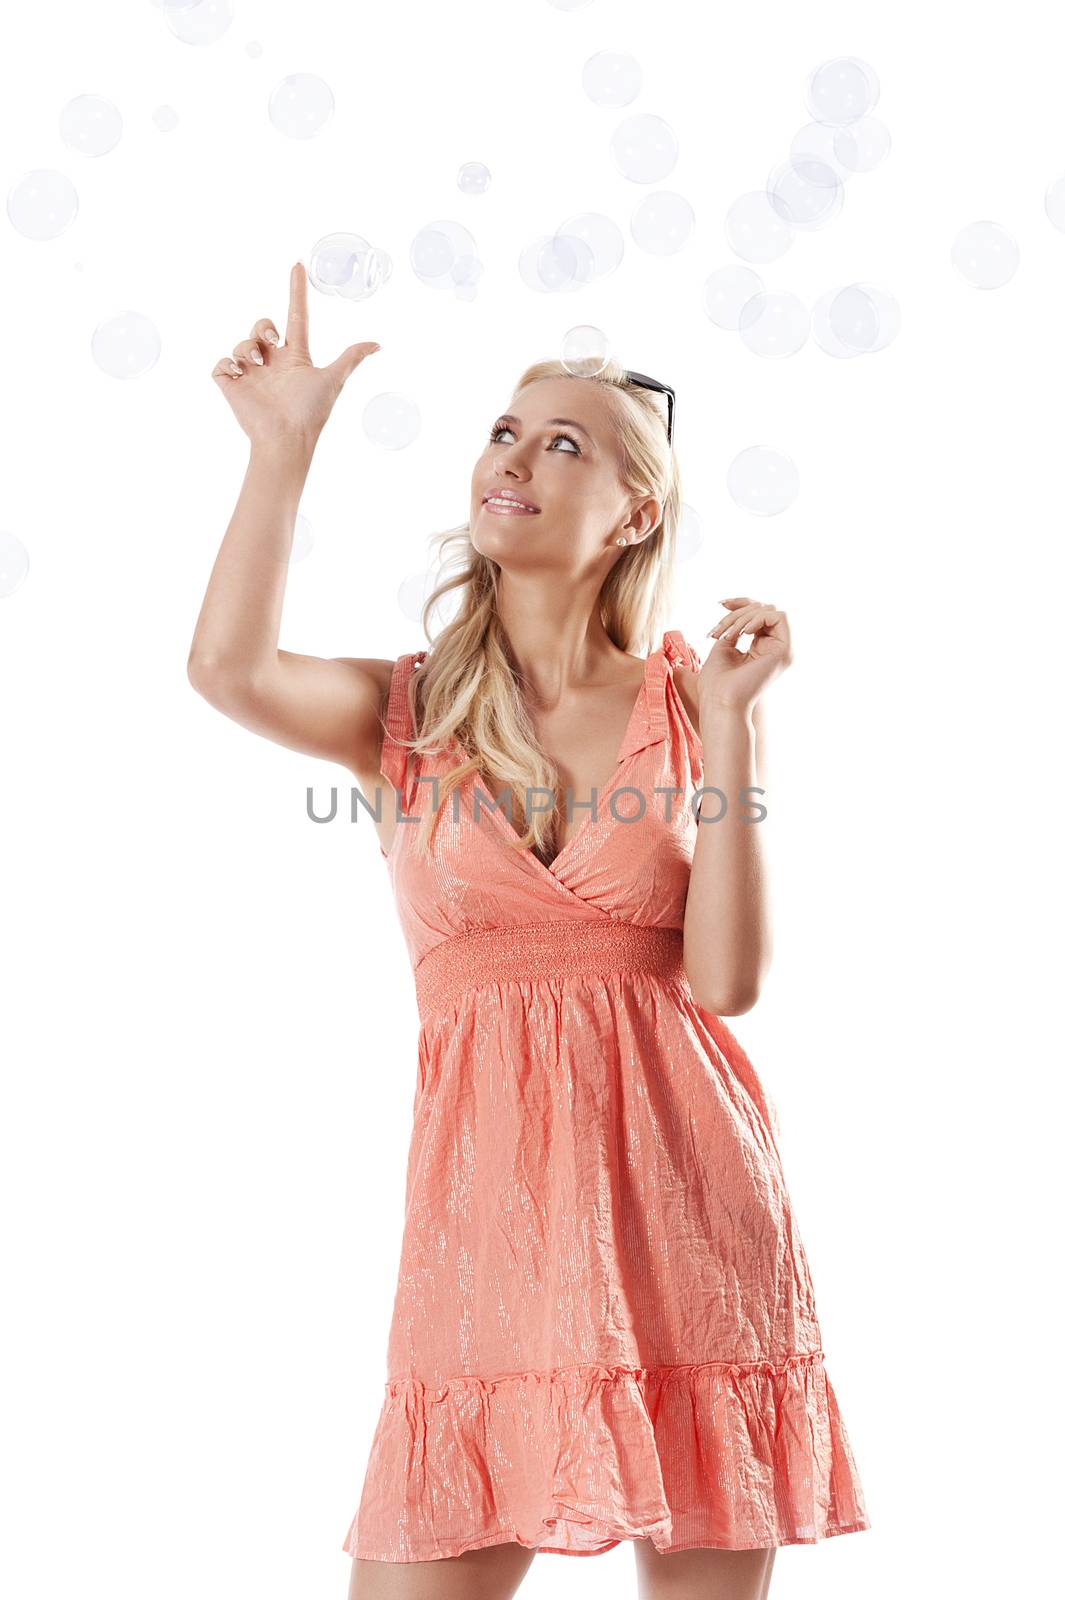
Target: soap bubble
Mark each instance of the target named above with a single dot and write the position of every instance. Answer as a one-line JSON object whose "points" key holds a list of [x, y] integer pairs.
{"points": [[824, 334], [90, 125], [253, 49], [302, 539], [612, 78], [165, 118], [1055, 202], [602, 237], [689, 537], [839, 92], [347, 265], [763, 481], [202, 23], [644, 148], [43, 204], [727, 291], [755, 229], [863, 145], [14, 563], [774, 325], [816, 142], [391, 420], [807, 193], [663, 223], [126, 345], [585, 351], [301, 105], [554, 263], [985, 255], [474, 177], [855, 320], [438, 250]]}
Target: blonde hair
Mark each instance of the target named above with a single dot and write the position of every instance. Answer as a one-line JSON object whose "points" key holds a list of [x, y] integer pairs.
{"points": [[468, 689]]}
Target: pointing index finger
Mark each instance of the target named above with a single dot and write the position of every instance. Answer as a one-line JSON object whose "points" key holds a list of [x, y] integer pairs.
{"points": [[296, 327]]}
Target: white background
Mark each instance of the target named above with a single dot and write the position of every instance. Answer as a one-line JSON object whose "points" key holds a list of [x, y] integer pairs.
{"points": [[209, 1020]]}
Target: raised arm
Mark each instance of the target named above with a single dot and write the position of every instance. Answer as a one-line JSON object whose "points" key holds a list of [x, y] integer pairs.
{"points": [[323, 707]]}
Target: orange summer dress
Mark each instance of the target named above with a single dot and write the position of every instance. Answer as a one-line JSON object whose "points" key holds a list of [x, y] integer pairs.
{"points": [[604, 1325]]}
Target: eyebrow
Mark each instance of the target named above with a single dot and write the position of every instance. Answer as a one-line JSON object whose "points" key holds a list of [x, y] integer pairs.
{"points": [[566, 422]]}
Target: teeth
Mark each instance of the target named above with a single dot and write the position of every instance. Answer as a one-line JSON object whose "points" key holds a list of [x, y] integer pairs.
{"points": [[493, 500]]}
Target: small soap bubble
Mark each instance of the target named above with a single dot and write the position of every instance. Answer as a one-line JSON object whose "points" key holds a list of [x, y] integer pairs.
{"points": [[474, 177], [858, 319], [612, 78], [253, 49], [554, 263], [763, 481], [663, 223], [43, 204], [755, 229], [14, 563], [391, 421], [302, 539], [165, 118], [1055, 202], [816, 142], [862, 146], [805, 192], [436, 252], [985, 255], [644, 148], [689, 533], [90, 125], [126, 345], [585, 351], [301, 105], [726, 292], [839, 92], [202, 23], [853, 318], [774, 325], [600, 235]]}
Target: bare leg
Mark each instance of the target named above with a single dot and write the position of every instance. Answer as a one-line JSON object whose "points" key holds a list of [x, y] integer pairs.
{"points": [[703, 1574], [493, 1573]]}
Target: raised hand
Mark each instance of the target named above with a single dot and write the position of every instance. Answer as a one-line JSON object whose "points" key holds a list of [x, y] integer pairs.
{"points": [[274, 390], [735, 678]]}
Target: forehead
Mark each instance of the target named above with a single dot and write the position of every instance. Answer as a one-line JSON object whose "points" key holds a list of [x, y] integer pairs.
{"points": [[575, 399]]}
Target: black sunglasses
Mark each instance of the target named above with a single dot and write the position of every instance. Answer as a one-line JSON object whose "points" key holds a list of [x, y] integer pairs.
{"points": [[645, 382]]}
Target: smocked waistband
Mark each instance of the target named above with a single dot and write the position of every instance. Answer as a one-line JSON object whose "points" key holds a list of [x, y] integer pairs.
{"points": [[542, 950]]}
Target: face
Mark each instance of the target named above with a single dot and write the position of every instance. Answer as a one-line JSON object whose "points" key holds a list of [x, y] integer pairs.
{"points": [[556, 450]]}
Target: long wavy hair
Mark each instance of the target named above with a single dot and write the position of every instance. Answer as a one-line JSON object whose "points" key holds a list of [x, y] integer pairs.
{"points": [[467, 697]]}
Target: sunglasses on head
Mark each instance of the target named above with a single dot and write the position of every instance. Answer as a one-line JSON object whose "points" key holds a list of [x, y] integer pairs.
{"points": [[645, 382]]}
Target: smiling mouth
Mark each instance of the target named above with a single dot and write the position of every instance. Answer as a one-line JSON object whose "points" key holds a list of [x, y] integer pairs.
{"points": [[508, 508]]}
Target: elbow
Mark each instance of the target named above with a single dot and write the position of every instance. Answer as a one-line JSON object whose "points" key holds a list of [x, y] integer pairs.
{"points": [[727, 1002], [211, 679]]}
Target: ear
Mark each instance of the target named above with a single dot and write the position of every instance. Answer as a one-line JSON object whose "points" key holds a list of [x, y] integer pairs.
{"points": [[643, 519]]}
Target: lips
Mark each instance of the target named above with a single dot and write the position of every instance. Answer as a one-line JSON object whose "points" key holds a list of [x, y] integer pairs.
{"points": [[509, 505]]}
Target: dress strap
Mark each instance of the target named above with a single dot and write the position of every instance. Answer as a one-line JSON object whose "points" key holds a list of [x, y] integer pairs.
{"points": [[662, 699], [399, 724]]}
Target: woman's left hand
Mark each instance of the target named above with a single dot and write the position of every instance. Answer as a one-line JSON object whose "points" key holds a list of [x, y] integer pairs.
{"points": [[735, 678]]}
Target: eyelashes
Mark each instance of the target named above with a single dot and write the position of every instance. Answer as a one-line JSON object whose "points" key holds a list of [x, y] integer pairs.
{"points": [[501, 427]]}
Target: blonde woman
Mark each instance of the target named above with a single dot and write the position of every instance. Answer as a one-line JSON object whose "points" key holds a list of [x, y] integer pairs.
{"points": [[604, 1327]]}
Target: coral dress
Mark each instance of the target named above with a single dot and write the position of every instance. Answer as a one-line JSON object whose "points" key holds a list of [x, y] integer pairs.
{"points": [[604, 1324]]}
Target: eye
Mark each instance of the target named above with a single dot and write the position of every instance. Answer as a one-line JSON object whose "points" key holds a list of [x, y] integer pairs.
{"points": [[555, 437]]}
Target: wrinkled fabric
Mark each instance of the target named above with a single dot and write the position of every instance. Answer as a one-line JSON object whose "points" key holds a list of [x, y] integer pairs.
{"points": [[604, 1326]]}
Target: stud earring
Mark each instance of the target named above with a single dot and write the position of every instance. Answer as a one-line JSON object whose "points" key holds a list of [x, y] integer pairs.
{"points": [[621, 541]]}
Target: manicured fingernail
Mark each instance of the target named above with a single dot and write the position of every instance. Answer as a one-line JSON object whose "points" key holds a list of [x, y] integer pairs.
{"points": [[235, 370], [257, 357], [270, 336]]}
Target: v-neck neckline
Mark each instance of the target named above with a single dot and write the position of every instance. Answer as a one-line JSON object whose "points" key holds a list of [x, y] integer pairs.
{"points": [[601, 792]]}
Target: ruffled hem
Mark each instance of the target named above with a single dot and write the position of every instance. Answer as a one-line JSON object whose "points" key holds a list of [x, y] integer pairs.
{"points": [[714, 1455]]}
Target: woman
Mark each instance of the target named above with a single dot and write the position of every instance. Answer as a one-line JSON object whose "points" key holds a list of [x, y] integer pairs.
{"points": [[604, 1326]]}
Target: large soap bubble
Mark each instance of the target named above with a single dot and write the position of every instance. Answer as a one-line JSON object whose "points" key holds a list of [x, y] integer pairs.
{"points": [[612, 78], [805, 192], [391, 420], [14, 563], [663, 223], [839, 92], [644, 148], [43, 204], [726, 292], [126, 345], [689, 536], [90, 125], [443, 255], [985, 255], [602, 237], [863, 145], [554, 263], [301, 105], [348, 266], [755, 229], [763, 481], [202, 23], [774, 325], [858, 319], [585, 350]]}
